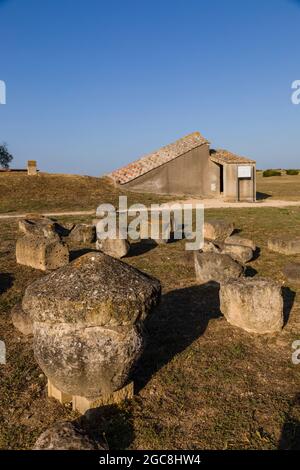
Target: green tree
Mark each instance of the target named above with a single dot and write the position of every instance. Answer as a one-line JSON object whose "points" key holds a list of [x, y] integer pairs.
{"points": [[5, 156]]}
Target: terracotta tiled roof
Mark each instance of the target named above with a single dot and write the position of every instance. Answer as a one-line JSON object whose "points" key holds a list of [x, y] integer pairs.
{"points": [[224, 156], [154, 160]]}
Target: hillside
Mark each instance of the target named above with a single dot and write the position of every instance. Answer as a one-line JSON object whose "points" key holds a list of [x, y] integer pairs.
{"points": [[60, 192]]}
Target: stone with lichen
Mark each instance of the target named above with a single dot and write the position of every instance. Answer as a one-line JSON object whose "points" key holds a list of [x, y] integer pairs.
{"points": [[88, 318]]}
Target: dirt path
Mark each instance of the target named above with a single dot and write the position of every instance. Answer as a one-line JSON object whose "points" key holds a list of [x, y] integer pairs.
{"points": [[208, 204], [217, 204], [47, 214]]}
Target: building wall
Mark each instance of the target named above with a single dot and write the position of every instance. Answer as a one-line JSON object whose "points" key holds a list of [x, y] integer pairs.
{"points": [[195, 174], [212, 180], [187, 174], [230, 182], [238, 189]]}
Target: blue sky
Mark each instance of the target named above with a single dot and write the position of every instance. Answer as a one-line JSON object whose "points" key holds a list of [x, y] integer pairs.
{"points": [[94, 84]]}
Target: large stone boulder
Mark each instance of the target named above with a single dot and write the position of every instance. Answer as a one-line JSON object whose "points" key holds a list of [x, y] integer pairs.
{"points": [[42, 253], [216, 267], [285, 245], [83, 233], [66, 436], [238, 240], [292, 272], [218, 229], [21, 320], [88, 319], [240, 253], [253, 304]]}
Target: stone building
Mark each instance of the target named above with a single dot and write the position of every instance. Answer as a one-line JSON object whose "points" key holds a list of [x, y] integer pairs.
{"points": [[189, 167]]}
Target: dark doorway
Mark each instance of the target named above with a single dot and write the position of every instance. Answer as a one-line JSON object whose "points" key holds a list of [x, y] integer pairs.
{"points": [[221, 179]]}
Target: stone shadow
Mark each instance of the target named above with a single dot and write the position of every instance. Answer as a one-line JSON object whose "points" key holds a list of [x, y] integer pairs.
{"points": [[109, 425], [256, 253], [6, 281], [180, 319], [290, 432], [288, 302], [262, 196], [250, 272], [74, 254], [237, 231], [141, 247]]}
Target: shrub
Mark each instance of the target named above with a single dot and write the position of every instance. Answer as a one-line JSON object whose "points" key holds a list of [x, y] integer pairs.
{"points": [[292, 172], [5, 156], [271, 173]]}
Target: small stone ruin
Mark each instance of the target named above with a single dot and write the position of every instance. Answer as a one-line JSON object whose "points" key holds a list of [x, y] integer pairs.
{"points": [[253, 304], [88, 325], [66, 436], [292, 272], [218, 229], [82, 233], [216, 267], [285, 245], [40, 245]]}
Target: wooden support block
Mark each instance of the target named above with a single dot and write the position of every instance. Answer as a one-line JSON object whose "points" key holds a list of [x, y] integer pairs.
{"points": [[83, 404], [62, 397]]}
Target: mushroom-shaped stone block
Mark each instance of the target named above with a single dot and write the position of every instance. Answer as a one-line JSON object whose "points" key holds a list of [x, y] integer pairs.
{"points": [[87, 323]]}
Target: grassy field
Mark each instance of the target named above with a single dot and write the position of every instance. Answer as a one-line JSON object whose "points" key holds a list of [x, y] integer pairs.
{"points": [[282, 187], [50, 192], [201, 383]]}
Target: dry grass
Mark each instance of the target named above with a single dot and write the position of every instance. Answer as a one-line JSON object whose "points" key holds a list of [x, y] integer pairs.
{"points": [[50, 192], [201, 383], [283, 187]]}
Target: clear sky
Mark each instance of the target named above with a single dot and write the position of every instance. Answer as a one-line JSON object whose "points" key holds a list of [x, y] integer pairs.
{"points": [[94, 84]]}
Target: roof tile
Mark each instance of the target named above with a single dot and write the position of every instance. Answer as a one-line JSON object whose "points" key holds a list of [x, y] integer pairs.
{"points": [[156, 159], [224, 156]]}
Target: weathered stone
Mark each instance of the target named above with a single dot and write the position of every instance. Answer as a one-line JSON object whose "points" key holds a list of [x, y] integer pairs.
{"points": [[238, 240], [38, 227], [218, 229], [83, 233], [240, 253], [41, 253], [118, 248], [210, 247], [292, 272], [58, 395], [155, 231], [254, 304], [66, 436], [21, 320], [35, 224], [87, 323], [216, 267], [83, 405], [285, 245]]}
